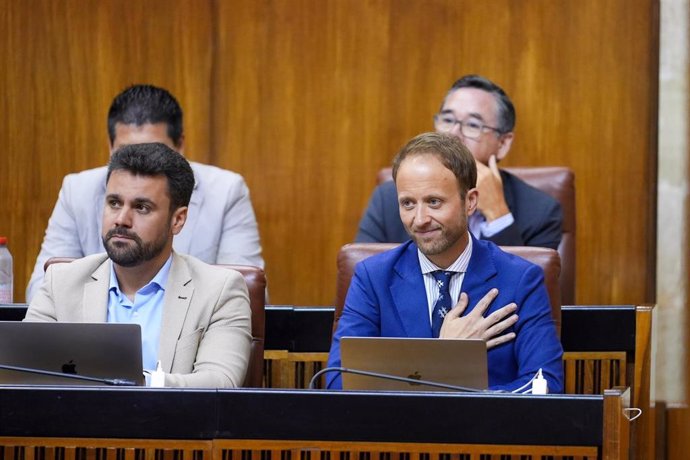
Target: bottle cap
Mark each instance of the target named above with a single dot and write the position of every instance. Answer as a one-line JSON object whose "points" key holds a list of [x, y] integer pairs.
{"points": [[3, 240]]}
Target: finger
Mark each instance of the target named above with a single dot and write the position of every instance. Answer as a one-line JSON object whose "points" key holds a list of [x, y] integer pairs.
{"points": [[493, 166], [459, 307], [500, 327], [502, 313], [484, 303], [500, 340]]}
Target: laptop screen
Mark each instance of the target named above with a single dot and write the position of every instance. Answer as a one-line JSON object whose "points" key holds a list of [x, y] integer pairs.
{"points": [[101, 351], [456, 362]]}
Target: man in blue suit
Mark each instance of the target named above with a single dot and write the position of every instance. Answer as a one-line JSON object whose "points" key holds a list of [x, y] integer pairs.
{"points": [[509, 211], [498, 297]]}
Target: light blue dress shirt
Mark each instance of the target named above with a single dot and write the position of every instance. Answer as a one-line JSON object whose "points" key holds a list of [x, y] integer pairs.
{"points": [[146, 311], [479, 227]]}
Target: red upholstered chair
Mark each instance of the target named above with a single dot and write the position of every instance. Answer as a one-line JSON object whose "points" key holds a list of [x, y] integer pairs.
{"points": [[558, 182], [546, 258], [256, 285]]}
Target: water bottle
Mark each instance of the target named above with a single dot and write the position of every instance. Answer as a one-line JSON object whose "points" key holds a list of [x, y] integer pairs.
{"points": [[6, 281]]}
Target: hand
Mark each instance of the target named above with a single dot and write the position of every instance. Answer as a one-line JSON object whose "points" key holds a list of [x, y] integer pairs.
{"points": [[475, 326], [492, 202]]}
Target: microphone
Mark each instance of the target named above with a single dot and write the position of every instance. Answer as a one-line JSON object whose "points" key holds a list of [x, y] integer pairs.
{"points": [[114, 382], [345, 370]]}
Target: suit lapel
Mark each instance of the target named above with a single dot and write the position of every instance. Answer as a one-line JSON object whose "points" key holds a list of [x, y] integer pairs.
{"points": [[480, 269], [409, 294], [178, 297], [94, 303], [508, 189]]}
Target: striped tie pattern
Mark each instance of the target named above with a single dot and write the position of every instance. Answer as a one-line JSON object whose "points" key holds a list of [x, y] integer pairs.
{"points": [[444, 303]]}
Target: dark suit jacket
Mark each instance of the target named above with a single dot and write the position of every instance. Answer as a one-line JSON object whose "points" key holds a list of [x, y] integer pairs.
{"points": [[387, 299], [537, 217]]}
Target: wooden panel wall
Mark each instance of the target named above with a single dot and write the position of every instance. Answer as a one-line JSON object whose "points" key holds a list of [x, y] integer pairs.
{"points": [[677, 424], [309, 98], [315, 96], [63, 62]]}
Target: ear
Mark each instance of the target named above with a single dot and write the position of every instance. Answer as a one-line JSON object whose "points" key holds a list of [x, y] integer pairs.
{"points": [[471, 199], [504, 143], [178, 219]]}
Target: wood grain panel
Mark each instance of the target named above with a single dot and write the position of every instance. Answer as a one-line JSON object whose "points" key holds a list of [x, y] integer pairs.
{"points": [[677, 429], [308, 99], [311, 98], [63, 63]]}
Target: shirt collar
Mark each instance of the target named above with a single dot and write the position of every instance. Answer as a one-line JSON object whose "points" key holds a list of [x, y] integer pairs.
{"points": [[158, 282], [197, 177], [459, 266]]}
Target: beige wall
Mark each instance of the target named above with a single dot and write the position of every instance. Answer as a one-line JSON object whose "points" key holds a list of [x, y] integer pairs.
{"points": [[672, 255]]}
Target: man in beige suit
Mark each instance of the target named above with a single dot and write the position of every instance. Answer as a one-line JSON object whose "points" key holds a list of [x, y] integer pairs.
{"points": [[195, 318]]}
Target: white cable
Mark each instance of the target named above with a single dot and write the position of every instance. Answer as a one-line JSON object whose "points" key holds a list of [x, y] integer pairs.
{"points": [[529, 386], [539, 384], [529, 382]]}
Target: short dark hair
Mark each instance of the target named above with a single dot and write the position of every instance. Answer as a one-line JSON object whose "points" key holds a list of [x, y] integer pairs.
{"points": [[156, 159], [142, 104], [449, 150], [506, 110]]}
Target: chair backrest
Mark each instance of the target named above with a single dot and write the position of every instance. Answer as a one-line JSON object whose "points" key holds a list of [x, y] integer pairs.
{"points": [[559, 183], [256, 285], [546, 258]]}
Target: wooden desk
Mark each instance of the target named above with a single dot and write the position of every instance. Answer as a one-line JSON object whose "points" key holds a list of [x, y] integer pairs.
{"points": [[80, 423]]}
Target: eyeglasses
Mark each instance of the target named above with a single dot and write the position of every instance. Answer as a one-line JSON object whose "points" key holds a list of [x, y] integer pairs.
{"points": [[471, 129]]}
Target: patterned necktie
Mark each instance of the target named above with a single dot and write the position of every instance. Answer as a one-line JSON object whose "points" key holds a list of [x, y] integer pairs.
{"points": [[444, 303]]}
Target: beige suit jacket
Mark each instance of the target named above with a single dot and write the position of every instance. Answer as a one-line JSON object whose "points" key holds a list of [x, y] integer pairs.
{"points": [[206, 326]]}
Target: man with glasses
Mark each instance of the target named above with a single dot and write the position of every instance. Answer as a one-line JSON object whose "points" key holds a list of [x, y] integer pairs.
{"points": [[510, 212]]}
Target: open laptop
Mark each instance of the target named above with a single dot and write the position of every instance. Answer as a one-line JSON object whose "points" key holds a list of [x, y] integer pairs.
{"points": [[102, 351], [457, 362]]}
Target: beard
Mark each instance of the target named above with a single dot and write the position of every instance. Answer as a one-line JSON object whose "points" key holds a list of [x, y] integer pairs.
{"points": [[128, 254], [439, 244]]}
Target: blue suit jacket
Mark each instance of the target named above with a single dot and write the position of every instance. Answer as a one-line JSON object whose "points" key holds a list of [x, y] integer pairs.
{"points": [[537, 217], [387, 299]]}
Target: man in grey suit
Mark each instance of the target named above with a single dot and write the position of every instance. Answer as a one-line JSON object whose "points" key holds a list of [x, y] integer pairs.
{"points": [[509, 211], [195, 318], [221, 226]]}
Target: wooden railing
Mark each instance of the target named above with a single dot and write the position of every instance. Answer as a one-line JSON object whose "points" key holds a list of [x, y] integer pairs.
{"points": [[605, 347]]}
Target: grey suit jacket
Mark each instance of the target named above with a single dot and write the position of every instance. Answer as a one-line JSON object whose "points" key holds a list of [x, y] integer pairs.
{"points": [[220, 229], [206, 326]]}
